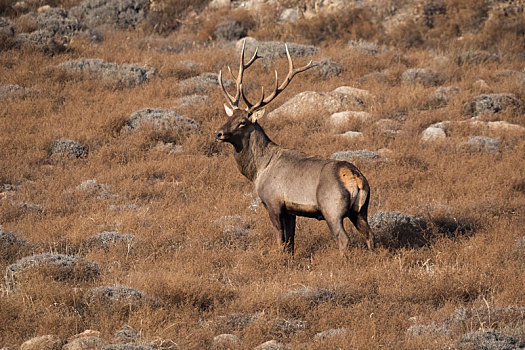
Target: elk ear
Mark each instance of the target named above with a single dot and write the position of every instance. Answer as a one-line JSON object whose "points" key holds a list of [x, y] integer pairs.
{"points": [[228, 110], [256, 115]]}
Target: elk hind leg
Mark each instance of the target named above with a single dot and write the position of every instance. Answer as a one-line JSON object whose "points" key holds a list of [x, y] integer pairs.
{"points": [[338, 230]]}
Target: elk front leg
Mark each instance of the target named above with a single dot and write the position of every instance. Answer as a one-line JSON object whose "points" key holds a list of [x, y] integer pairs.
{"points": [[284, 226]]}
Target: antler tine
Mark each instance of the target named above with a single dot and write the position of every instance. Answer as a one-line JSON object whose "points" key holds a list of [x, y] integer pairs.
{"points": [[278, 89], [252, 107], [229, 97]]}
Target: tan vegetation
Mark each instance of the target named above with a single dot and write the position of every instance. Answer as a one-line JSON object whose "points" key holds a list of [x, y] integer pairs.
{"points": [[203, 259]]}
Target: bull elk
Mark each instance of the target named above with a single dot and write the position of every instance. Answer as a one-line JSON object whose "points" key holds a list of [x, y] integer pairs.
{"points": [[288, 182]]}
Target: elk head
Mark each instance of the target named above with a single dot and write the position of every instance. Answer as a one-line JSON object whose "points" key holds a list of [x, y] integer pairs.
{"points": [[242, 122]]}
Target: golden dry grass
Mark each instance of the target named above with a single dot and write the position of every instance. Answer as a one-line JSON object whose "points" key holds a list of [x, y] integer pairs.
{"points": [[180, 257]]}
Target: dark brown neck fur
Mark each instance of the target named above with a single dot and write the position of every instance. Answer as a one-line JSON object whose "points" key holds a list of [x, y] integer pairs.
{"points": [[254, 152]]}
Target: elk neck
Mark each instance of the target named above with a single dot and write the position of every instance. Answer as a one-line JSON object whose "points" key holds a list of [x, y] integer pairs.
{"points": [[254, 152]]}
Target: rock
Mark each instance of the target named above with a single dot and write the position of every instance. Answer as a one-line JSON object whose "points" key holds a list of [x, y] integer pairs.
{"points": [[362, 154], [481, 85], [45, 342], [16, 91], [289, 326], [434, 328], [312, 295], [443, 95], [435, 132], [234, 322], [85, 342], [161, 120], [108, 295], [352, 134], [229, 29], [126, 334], [11, 239], [271, 50], [233, 227], [121, 14], [226, 341], [92, 188], [388, 127], [499, 126], [477, 57], [290, 15], [104, 240], [127, 74], [202, 83], [492, 103], [7, 29], [329, 334], [271, 345], [219, 4], [482, 144], [67, 148], [490, 339], [398, 229], [60, 267], [129, 347], [86, 333], [43, 40], [191, 100], [341, 118], [364, 47], [423, 76], [307, 102], [328, 68]]}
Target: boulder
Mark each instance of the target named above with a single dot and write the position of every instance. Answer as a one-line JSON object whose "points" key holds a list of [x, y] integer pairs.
{"points": [[482, 144], [226, 341], [67, 148], [492, 103], [362, 154], [352, 134], [330, 333], [127, 74], [15, 91], [202, 83], [121, 14], [328, 68], [85, 343], [340, 118], [105, 240], [443, 95], [396, 229], [423, 76], [271, 345], [271, 50], [364, 47], [60, 267], [307, 102], [126, 334], [108, 295], [434, 132], [289, 15], [45, 342], [490, 339], [161, 120]]}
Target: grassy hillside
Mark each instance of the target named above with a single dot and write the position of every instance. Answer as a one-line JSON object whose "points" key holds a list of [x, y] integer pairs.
{"points": [[203, 256]]}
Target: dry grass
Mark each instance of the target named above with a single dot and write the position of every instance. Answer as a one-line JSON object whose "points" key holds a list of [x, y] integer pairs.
{"points": [[182, 259]]}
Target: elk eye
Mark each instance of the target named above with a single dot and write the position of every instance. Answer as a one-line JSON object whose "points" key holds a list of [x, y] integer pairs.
{"points": [[241, 124]]}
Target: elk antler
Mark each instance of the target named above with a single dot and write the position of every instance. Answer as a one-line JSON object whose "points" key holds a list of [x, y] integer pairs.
{"points": [[278, 89], [234, 100]]}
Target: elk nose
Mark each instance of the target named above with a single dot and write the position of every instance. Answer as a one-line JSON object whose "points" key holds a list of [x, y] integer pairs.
{"points": [[218, 135]]}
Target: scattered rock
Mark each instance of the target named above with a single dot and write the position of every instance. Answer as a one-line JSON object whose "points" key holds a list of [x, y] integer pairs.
{"points": [[435, 132], [60, 267], [289, 326], [202, 83], [329, 334], [220, 4], [499, 126], [104, 240], [477, 57], [128, 74], [395, 229], [423, 76], [443, 95], [15, 91], [304, 103], [492, 103], [85, 342], [226, 341], [433, 328], [45, 342], [161, 120], [108, 295], [328, 68], [481, 85], [126, 334], [191, 100], [482, 144], [121, 14], [271, 345], [230, 29], [364, 47], [271, 50], [93, 188], [362, 154], [289, 15], [312, 295], [490, 339], [352, 134], [341, 118], [233, 322], [68, 148]]}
